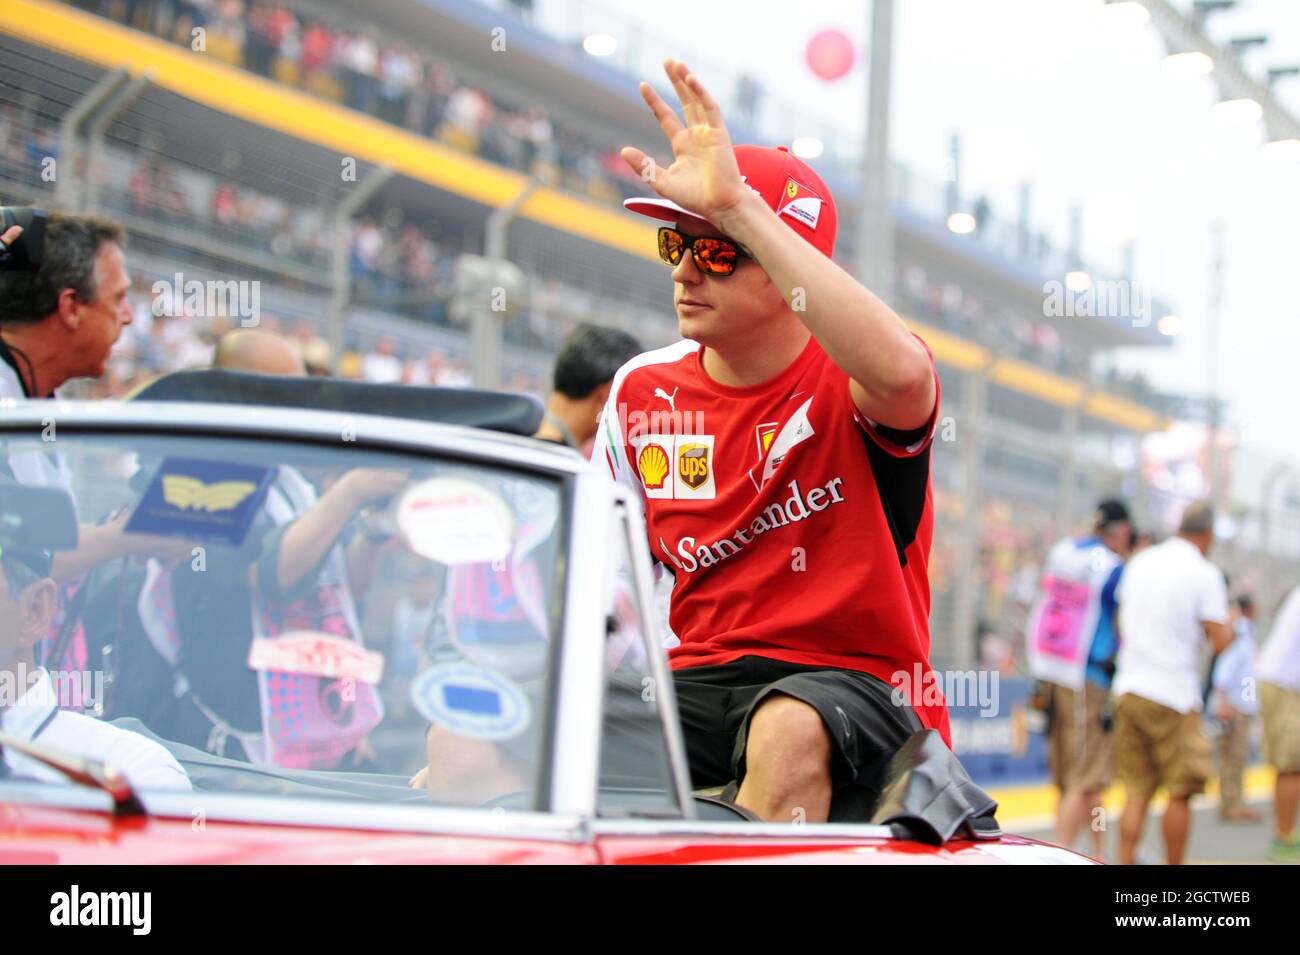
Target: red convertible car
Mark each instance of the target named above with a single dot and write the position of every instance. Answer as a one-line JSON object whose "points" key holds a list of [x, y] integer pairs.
{"points": [[258, 633]]}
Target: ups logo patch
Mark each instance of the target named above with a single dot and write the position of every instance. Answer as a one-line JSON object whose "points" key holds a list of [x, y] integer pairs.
{"points": [[693, 464]]}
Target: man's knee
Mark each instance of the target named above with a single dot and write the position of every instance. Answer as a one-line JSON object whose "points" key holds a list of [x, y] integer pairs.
{"points": [[788, 730], [1137, 799]]}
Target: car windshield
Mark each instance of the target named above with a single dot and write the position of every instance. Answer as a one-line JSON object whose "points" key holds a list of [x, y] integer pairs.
{"points": [[278, 618]]}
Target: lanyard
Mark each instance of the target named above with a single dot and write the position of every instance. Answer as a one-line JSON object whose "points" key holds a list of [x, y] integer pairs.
{"points": [[54, 711], [7, 355]]}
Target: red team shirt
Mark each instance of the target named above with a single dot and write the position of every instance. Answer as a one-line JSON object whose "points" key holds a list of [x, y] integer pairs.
{"points": [[795, 528]]}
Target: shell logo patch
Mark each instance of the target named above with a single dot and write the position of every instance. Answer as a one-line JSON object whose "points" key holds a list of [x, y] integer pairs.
{"points": [[675, 466], [652, 462], [800, 203]]}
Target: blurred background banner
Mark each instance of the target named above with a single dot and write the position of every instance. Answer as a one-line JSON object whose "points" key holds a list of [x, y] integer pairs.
{"points": [[995, 743]]}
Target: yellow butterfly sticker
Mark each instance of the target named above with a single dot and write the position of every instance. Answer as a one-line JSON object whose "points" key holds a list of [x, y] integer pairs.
{"points": [[189, 493]]}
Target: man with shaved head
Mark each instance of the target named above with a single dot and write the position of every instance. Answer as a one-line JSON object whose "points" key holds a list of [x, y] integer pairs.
{"points": [[1171, 598], [260, 351], [319, 546]]}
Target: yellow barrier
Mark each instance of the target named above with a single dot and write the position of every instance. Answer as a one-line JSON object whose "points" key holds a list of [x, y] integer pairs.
{"points": [[1049, 387], [1033, 806]]}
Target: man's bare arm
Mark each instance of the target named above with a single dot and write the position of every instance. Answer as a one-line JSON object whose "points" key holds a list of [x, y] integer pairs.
{"points": [[99, 543], [892, 382], [308, 539], [1218, 634]]}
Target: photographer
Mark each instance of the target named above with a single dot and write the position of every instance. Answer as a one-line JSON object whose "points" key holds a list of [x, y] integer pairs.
{"points": [[59, 320], [63, 302]]}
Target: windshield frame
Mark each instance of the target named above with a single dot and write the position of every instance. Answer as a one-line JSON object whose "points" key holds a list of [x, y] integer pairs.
{"points": [[558, 790]]}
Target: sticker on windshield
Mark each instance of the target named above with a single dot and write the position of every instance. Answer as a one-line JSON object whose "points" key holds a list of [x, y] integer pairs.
{"points": [[316, 654], [471, 701], [454, 521], [201, 500]]}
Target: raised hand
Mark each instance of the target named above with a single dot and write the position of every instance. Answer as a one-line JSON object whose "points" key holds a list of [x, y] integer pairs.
{"points": [[703, 176], [364, 485]]}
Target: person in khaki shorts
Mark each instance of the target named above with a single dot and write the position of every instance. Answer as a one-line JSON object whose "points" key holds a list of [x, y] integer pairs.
{"points": [[1170, 599], [1080, 755], [1278, 670], [1235, 702], [1071, 650]]}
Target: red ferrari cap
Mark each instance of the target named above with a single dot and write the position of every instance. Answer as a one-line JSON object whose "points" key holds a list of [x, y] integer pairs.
{"points": [[787, 184]]}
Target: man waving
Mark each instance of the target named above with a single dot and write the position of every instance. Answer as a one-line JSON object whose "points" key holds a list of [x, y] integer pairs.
{"points": [[782, 450]]}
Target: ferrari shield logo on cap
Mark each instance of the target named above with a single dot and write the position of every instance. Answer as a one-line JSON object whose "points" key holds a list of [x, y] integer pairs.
{"points": [[800, 203]]}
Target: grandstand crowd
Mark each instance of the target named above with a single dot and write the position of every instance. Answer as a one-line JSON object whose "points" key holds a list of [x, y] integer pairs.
{"points": [[382, 77], [407, 266]]}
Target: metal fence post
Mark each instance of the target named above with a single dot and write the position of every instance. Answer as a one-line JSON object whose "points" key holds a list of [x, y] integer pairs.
{"points": [[966, 606], [95, 136], [875, 220], [65, 188], [485, 326], [341, 287]]}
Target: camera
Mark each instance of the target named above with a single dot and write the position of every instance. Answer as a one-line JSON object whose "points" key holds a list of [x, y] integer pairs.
{"points": [[25, 253]]}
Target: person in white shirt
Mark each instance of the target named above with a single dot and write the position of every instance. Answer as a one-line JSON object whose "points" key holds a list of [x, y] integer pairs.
{"points": [[1233, 702], [27, 605], [1171, 598], [382, 365], [58, 323], [1278, 672]]}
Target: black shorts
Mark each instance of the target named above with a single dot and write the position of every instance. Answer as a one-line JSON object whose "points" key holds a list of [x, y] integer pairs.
{"points": [[867, 727]]}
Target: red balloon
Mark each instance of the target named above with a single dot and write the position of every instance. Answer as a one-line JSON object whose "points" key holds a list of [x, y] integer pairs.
{"points": [[830, 54]]}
